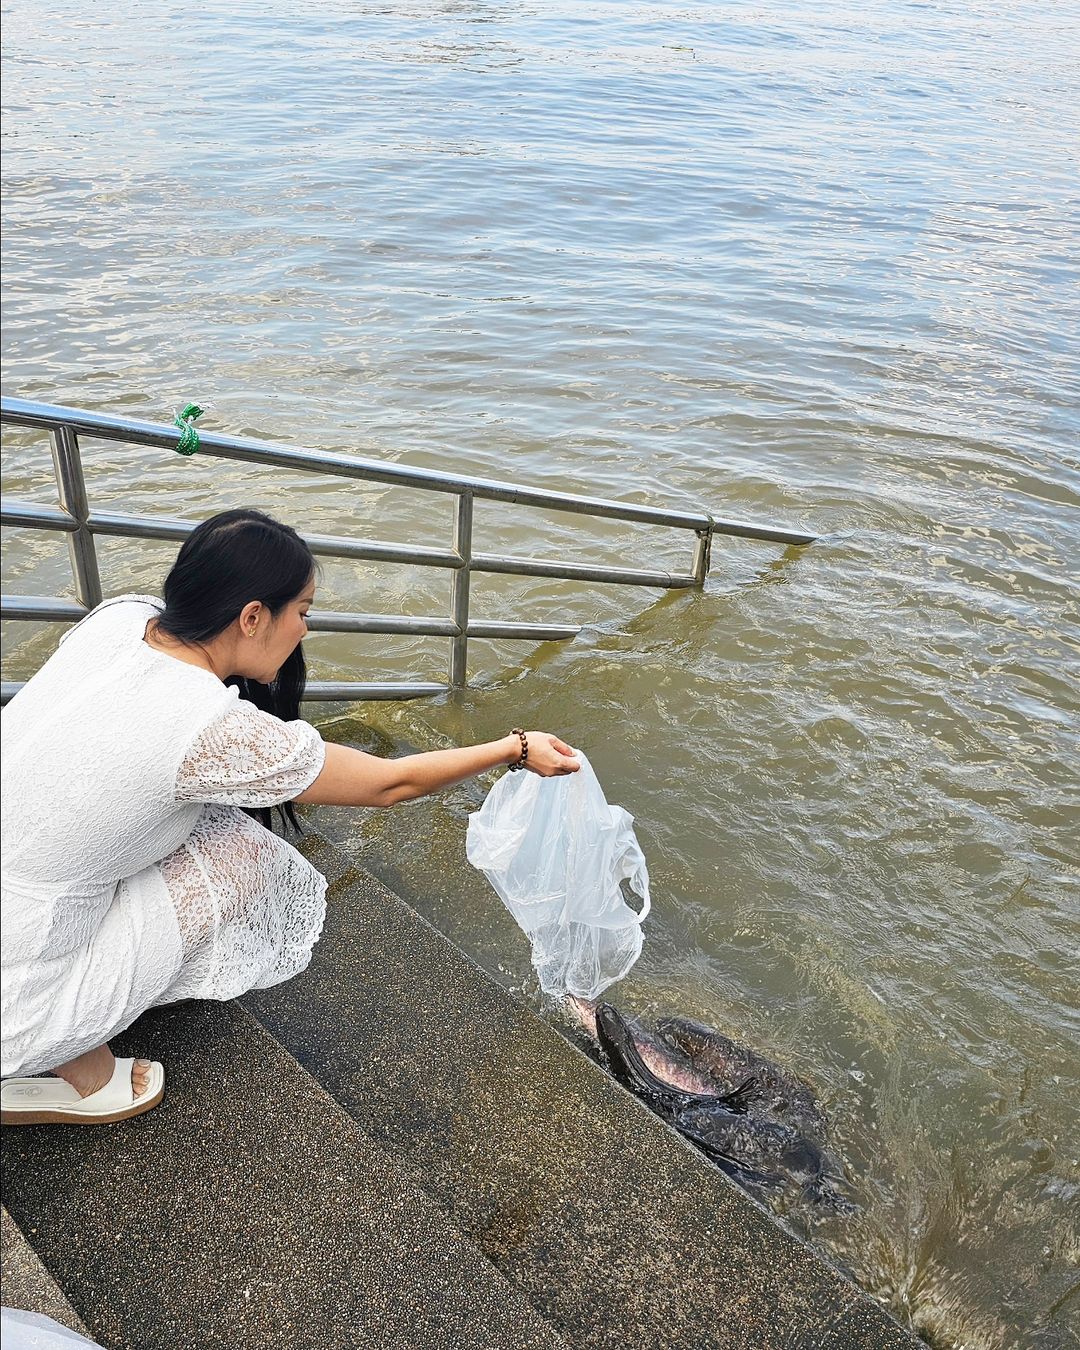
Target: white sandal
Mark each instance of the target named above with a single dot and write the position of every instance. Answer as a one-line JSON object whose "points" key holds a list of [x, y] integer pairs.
{"points": [[51, 1101]]}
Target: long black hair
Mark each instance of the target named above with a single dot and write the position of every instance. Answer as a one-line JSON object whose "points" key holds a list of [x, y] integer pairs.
{"points": [[225, 563]]}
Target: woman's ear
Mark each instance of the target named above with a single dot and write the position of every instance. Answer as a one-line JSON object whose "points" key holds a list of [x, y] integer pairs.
{"points": [[250, 617]]}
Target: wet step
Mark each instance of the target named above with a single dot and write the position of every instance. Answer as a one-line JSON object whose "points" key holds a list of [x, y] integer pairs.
{"points": [[248, 1210], [618, 1233]]}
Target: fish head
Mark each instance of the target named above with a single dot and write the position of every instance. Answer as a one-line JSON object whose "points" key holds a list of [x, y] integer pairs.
{"points": [[582, 1013]]}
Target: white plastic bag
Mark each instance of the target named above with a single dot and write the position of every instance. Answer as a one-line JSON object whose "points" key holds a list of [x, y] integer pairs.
{"points": [[21, 1330], [557, 854]]}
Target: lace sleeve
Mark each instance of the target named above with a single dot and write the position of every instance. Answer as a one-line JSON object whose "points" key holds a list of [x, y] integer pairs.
{"points": [[249, 758]]}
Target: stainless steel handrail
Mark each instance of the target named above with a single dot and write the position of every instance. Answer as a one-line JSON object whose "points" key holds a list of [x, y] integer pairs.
{"points": [[81, 524]]}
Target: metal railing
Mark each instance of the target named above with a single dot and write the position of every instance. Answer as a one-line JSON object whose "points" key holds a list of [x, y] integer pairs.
{"points": [[73, 516]]}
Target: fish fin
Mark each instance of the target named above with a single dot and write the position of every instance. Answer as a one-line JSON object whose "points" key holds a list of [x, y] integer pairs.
{"points": [[735, 1101], [739, 1098], [738, 1171]]}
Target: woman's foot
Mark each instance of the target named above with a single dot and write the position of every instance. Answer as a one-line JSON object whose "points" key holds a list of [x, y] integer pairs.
{"points": [[90, 1072]]}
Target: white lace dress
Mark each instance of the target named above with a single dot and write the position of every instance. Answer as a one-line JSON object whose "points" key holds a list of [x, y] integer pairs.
{"points": [[130, 875]]}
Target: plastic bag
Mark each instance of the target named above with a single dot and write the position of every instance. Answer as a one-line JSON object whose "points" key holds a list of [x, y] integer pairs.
{"points": [[35, 1331], [558, 856]]}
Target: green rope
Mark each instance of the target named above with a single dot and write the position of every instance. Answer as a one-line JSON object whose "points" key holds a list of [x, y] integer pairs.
{"points": [[189, 437]]}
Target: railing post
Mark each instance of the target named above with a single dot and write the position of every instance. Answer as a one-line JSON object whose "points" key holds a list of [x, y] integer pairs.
{"points": [[72, 491], [459, 593], [702, 555]]}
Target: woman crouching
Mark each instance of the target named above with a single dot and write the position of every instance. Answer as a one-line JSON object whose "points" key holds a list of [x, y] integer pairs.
{"points": [[138, 764]]}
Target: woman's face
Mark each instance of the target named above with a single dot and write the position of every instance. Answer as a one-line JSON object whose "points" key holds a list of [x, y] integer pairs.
{"points": [[275, 636]]}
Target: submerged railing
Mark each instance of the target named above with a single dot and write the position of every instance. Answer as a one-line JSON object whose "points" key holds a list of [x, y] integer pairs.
{"points": [[74, 517]]}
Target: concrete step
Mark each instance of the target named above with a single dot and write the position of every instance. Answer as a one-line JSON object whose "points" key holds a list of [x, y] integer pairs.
{"points": [[615, 1229], [26, 1284], [247, 1211]]}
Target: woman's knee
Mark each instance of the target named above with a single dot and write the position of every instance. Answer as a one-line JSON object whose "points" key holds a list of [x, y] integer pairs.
{"points": [[222, 874]]}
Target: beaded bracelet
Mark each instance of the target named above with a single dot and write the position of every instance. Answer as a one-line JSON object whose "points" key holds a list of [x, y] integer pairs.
{"points": [[520, 763]]}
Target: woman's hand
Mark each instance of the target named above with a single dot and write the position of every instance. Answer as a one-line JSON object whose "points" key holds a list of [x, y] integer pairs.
{"points": [[548, 756]]}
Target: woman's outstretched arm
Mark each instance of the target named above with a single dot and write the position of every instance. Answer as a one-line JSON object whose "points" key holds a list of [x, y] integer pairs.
{"points": [[353, 778]]}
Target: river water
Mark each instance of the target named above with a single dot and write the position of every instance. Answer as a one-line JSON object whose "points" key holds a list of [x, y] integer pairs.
{"points": [[811, 264]]}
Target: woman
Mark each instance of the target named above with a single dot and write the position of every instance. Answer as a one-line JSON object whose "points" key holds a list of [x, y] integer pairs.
{"points": [[134, 873]]}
